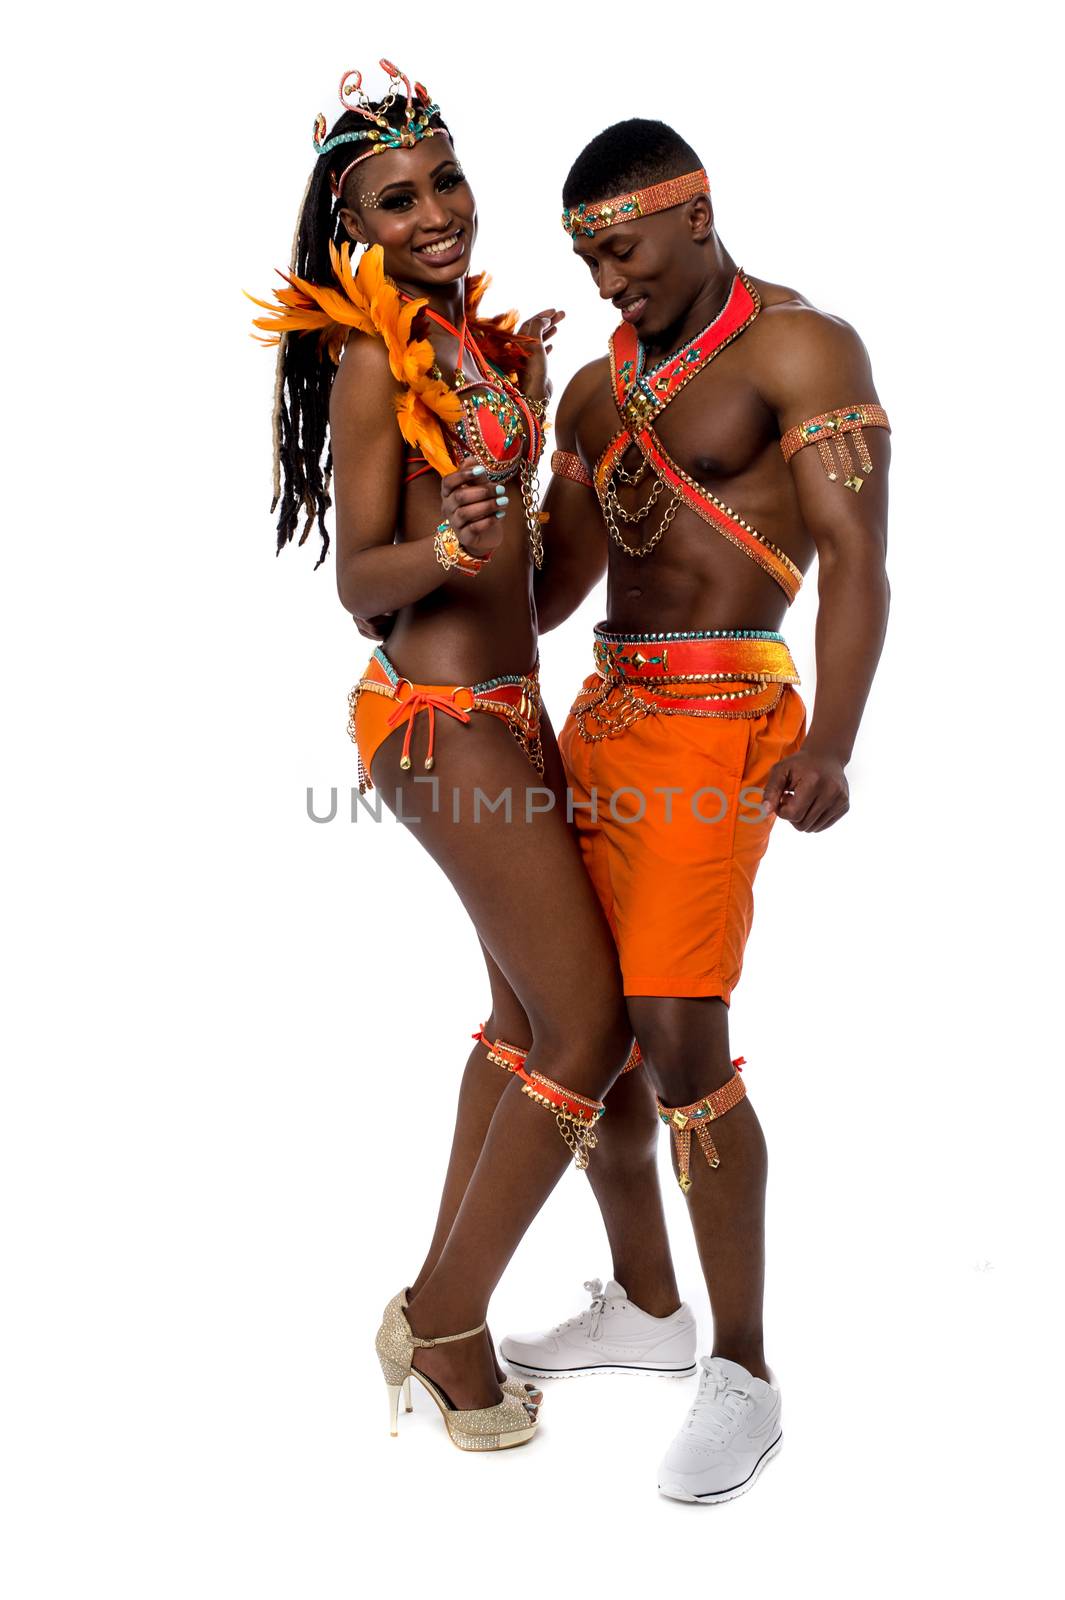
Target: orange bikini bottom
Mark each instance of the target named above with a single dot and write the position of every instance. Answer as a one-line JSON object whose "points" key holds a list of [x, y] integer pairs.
{"points": [[383, 701]]}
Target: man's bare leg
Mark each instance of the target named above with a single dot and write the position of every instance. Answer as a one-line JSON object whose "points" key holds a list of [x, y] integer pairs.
{"points": [[687, 1054], [624, 1180]]}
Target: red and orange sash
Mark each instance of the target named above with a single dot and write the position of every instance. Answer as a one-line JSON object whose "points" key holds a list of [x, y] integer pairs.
{"points": [[642, 397]]}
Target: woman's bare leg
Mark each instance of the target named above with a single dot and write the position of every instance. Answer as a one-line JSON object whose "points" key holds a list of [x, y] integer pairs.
{"points": [[482, 1084], [624, 1174], [533, 906]]}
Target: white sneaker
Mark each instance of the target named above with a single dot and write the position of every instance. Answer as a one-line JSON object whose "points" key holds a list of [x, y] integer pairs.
{"points": [[613, 1335], [732, 1430]]}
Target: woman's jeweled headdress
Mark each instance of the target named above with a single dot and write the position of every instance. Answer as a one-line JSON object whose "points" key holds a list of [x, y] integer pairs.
{"points": [[589, 219], [381, 136]]}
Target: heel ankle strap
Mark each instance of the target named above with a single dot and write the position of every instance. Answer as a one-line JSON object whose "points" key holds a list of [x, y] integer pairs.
{"points": [[445, 1338]]}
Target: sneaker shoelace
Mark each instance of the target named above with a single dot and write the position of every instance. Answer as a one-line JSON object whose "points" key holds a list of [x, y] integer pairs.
{"points": [[721, 1403], [594, 1287]]}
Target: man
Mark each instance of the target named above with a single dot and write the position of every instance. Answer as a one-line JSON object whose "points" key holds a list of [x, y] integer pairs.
{"points": [[732, 434]]}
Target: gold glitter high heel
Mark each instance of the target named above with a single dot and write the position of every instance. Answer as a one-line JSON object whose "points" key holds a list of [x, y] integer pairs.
{"points": [[498, 1427], [530, 1394]]}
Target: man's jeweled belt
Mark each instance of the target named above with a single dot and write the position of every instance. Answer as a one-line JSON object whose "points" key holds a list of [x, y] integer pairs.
{"points": [[723, 672]]}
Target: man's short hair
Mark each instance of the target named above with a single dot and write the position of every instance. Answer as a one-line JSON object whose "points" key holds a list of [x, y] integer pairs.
{"points": [[628, 156]]}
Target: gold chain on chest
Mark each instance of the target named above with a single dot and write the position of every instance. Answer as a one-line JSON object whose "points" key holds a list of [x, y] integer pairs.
{"points": [[612, 509], [640, 398]]}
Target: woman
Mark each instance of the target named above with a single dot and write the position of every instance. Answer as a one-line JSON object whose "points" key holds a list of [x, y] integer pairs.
{"points": [[435, 423]]}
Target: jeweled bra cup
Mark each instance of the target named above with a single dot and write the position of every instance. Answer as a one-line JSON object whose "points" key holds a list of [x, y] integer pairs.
{"points": [[492, 429], [497, 425]]}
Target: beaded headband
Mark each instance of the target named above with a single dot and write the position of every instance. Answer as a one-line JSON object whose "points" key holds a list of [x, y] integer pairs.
{"points": [[419, 112], [591, 219]]}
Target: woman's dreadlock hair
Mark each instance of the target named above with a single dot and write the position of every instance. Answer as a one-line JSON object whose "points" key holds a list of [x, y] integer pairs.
{"points": [[305, 375], [626, 157]]}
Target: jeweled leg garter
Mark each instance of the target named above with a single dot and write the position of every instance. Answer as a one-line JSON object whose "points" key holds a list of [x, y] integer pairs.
{"points": [[575, 1114], [512, 1056]]}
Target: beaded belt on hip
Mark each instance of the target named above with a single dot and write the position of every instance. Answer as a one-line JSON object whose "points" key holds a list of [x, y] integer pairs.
{"points": [[643, 674]]}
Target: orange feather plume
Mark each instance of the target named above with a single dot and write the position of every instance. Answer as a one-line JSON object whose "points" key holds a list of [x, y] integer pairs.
{"points": [[367, 301]]}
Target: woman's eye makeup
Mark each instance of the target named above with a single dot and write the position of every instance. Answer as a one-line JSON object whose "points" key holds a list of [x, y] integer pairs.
{"points": [[403, 201]]}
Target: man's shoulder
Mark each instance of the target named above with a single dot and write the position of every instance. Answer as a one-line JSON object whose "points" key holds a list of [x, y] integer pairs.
{"points": [[791, 322], [587, 379], [799, 343], [588, 385]]}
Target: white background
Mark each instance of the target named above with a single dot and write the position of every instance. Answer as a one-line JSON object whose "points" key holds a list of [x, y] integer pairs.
{"points": [[234, 1037]]}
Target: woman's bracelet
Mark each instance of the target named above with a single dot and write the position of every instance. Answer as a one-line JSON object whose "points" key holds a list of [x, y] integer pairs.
{"points": [[449, 552]]}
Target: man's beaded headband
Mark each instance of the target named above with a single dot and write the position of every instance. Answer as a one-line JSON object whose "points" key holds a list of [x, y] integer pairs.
{"points": [[419, 112], [588, 219]]}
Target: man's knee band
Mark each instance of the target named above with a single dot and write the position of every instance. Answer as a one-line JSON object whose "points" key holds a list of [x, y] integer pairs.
{"points": [[698, 1117]]}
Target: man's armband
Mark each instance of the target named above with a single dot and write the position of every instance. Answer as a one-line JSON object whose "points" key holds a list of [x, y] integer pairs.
{"points": [[564, 464], [829, 430]]}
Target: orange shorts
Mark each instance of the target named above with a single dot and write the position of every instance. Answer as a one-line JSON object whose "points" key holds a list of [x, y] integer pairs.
{"points": [[674, 842]]}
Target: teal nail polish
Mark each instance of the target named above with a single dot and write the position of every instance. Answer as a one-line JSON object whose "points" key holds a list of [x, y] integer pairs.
{"points": [[500, 514], [502, 500], [478, 472]]}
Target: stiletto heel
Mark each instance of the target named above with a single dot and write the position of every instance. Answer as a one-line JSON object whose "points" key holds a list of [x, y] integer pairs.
{"points": [[530, 1394], [393, 1408], [407, 1402], [500, 1427]]}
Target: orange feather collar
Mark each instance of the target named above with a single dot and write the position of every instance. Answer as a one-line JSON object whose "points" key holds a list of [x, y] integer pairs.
{"points": [[367, 301]]}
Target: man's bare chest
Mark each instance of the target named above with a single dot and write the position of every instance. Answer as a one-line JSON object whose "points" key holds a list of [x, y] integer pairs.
{"points": [[714, 429]]}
